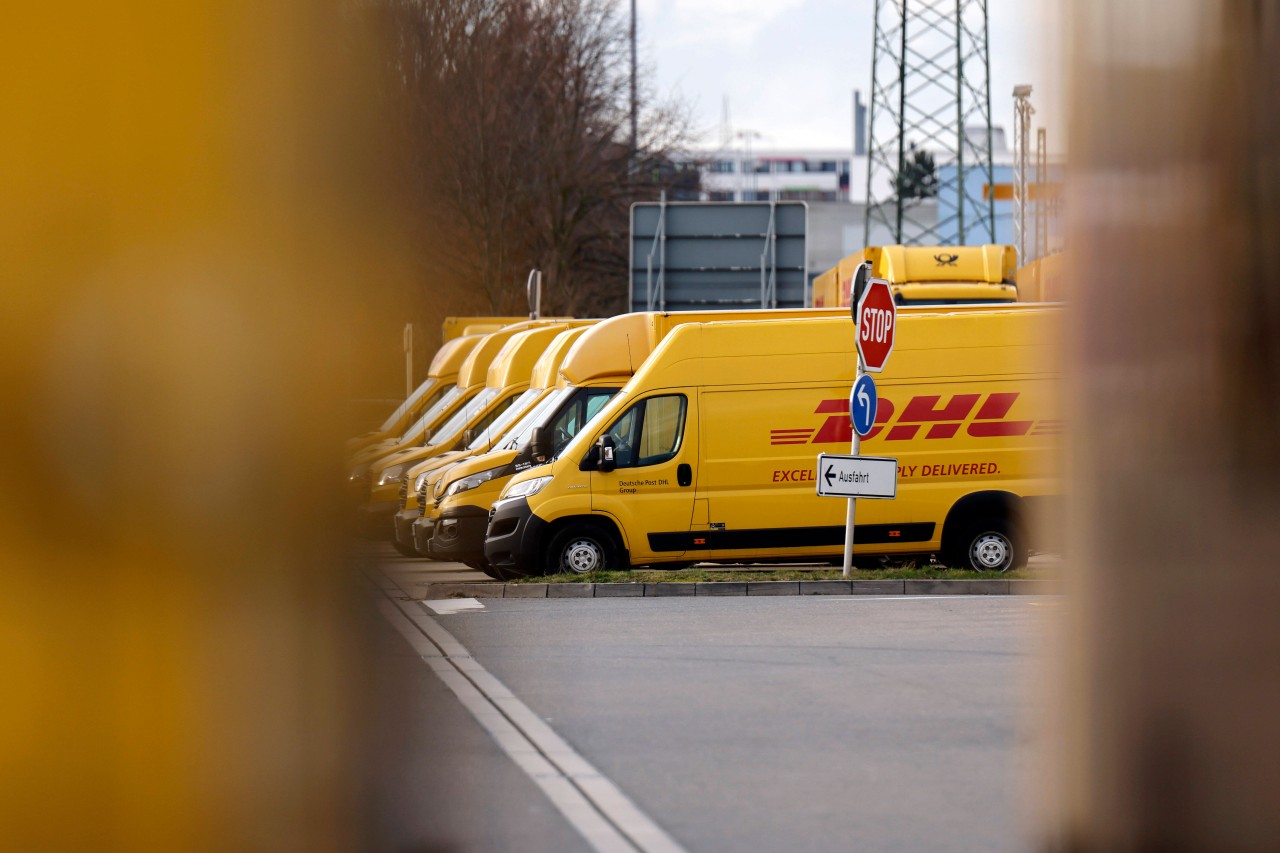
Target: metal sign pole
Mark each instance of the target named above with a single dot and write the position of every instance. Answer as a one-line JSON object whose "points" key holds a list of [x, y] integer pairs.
{"points": [[855, 447], [860, 278]]}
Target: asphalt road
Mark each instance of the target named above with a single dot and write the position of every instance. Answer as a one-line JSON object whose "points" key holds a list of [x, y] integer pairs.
{"points": [[819, 723]]}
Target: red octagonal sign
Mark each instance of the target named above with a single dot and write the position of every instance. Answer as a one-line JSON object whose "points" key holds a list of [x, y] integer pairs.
{"points": [[876, 316]]}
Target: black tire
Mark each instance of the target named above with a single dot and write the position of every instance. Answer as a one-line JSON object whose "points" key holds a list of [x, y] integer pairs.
{"points": [[581, 548], [989, 544]]}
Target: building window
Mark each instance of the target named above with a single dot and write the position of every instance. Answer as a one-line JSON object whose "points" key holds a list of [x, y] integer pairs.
{"points": [[827, 166], [722, 167], [720, 195]]}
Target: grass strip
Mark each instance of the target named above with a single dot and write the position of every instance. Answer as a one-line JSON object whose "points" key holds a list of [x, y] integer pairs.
{"points": [[697, 575]]}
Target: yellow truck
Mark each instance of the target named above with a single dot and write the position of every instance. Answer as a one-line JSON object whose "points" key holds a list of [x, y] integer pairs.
{"points": [[441, 376], [458, 336], [470, 381], [541, 384], [454, 327], [709, 453], [507, 377], [927, 275], [602, 361], [1042, 280]]}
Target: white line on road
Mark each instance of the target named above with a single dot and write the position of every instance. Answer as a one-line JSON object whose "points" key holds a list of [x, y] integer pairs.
{"points": [[445, 606], [900, 597], [594, 805]]}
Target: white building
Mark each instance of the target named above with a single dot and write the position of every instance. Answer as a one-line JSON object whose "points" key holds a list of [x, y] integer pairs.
{"points": [[833, 181], [779, 174]]}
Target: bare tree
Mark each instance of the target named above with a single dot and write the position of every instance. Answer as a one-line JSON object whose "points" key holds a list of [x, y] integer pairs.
{"points": [[515, 118]]}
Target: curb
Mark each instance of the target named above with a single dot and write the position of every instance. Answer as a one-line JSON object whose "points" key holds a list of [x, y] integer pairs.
{"points": [[722, 589]]}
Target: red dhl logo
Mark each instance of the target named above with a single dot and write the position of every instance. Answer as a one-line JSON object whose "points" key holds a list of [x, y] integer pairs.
{"points": [[942, 420]]}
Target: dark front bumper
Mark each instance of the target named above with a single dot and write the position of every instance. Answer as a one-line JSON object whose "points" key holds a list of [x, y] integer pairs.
{"points": [[459, 534], [513, 537], [376, 520], [422, 530], [404, 527]]}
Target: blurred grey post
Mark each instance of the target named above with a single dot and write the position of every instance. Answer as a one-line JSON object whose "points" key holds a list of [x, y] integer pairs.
{"points": [[408, 360], [1168, 737], [1023, 111]]}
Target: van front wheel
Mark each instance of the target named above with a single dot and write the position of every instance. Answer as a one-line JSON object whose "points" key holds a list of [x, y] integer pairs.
{"points": [[579, 549], [989, 545]]}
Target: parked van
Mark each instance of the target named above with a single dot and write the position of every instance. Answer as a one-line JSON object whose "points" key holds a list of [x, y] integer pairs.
{"points": [[1042, 280], [441, 376], [710, 452], [471, 379], [541, 383], [507, 377], [453, 327], [927, 275], [602, 361]]}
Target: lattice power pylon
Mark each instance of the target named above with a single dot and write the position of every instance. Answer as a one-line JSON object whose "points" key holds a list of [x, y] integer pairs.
{"points": [[930, 99]]}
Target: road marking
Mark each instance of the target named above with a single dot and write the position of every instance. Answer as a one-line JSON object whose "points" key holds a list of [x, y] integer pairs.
{"points": [[592, 804], [445, 606], [834, 598]]}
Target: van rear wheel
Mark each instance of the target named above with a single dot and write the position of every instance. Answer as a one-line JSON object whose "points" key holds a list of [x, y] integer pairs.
{"points": [[581, 548], [989, 545]]}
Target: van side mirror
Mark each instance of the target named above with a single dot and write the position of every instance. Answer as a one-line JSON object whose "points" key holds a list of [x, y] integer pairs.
{"points": [[426, 438], [539, 446], [468, 435], [607, 460]]}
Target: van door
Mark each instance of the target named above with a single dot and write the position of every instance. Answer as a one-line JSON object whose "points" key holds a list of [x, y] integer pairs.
{"points": [[759, 471], [650, 492]]}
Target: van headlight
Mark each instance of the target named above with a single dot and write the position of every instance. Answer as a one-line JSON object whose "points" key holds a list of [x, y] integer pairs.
{"points": [[393, 473], [525, 488], [471, 481], [418, 481]]}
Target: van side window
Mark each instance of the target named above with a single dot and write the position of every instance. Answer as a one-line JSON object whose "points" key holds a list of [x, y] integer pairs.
{"points": [[649, 432], [575, 415]]}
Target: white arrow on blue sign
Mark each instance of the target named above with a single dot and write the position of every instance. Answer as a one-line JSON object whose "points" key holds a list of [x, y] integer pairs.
{"points": [[862, 404]]}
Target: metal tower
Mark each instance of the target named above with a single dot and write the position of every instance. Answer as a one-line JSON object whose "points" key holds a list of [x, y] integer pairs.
{"points": [[930, 99]]}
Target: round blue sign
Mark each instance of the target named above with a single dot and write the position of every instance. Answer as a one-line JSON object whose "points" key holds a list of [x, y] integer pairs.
{"points": [[862, 404]]}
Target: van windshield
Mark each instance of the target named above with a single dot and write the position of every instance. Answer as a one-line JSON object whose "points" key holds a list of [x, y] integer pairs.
{"points": [[500, 423], [431, 387], [519, 434], [452, 428], [432, 413], [576, 416]]}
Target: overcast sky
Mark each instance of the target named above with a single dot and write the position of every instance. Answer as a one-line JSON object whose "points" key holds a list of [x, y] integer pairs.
{"points": [[789, 66]]}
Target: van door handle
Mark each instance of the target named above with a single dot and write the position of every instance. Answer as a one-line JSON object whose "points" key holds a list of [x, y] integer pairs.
{"points": [[684, 474]]}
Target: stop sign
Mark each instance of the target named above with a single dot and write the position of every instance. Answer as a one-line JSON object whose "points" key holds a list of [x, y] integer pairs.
{"points": [[876, 318]]}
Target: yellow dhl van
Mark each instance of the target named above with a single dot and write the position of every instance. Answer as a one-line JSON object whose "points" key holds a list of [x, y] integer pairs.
{"points": [[455, 327], [541, 383], [710, 452], [453, 520], [506, 378], [471, 380], [1042, 280], [927, 275], [441, 376]]}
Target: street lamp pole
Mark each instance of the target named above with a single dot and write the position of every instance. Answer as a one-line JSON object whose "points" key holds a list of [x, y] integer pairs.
{"points": [[635, 117]]}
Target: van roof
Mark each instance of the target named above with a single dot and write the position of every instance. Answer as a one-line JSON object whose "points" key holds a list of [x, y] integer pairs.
{"points": [[548, 366], [992, 263], [475, 369], [618, 346], [449, 358], [513, 365], [780, 351]]}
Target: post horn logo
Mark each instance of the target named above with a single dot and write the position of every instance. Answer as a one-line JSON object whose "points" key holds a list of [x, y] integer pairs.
{"points": [[946, 260]]}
